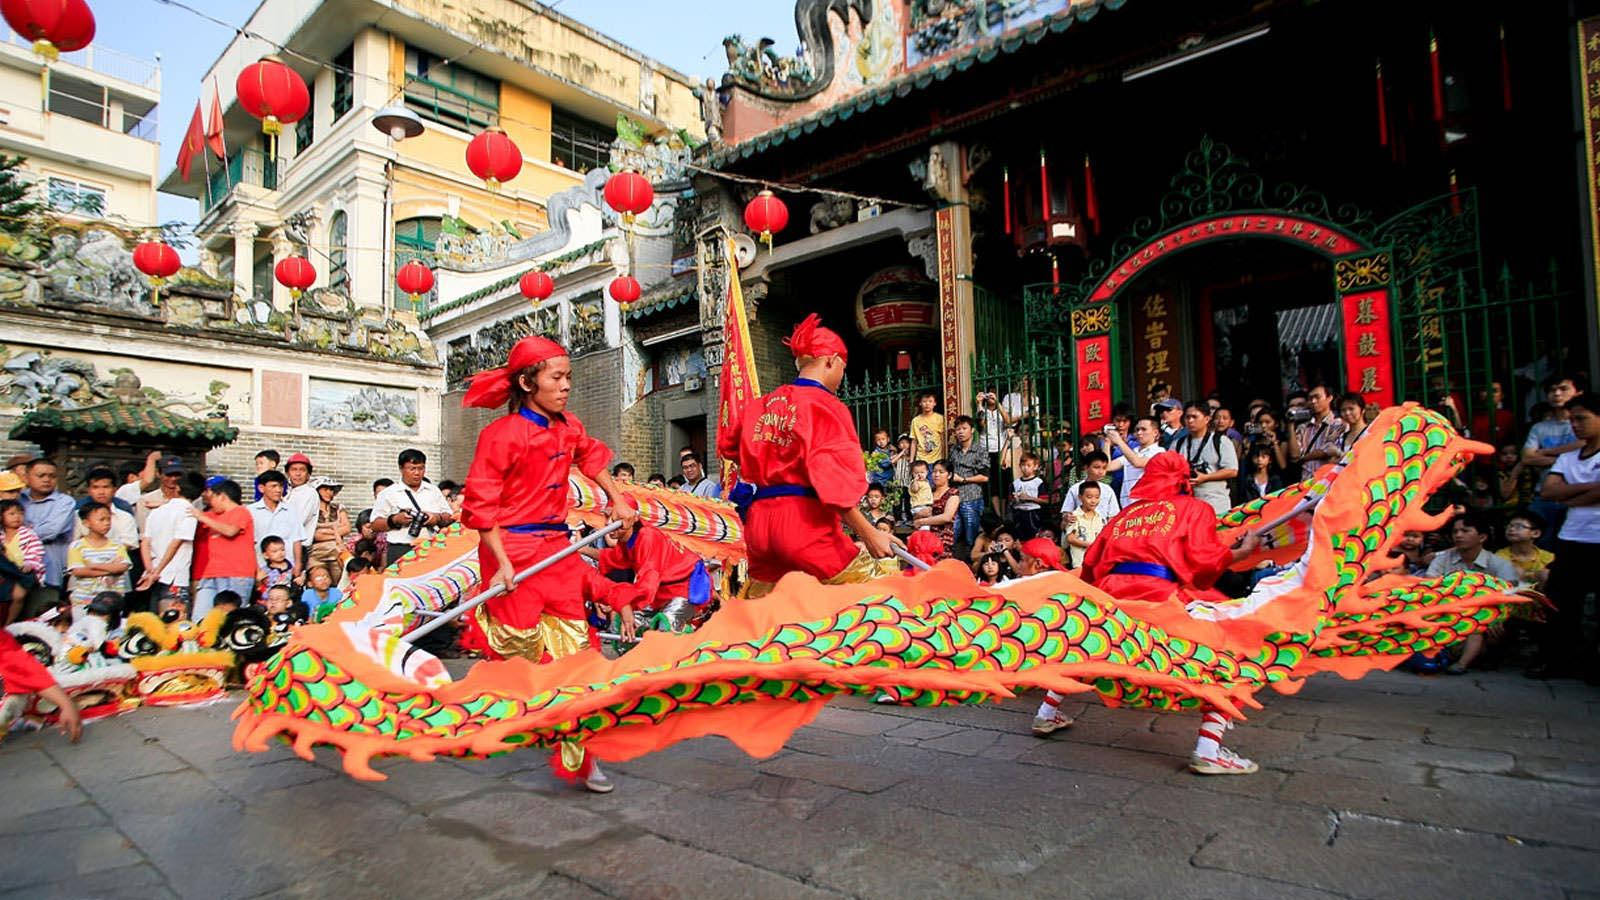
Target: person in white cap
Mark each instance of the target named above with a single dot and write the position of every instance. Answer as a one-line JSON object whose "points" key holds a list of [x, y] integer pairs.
{"points": [[302, 497]]}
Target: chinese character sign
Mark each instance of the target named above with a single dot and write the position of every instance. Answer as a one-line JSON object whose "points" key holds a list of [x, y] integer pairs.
{"points": [[1368, 357], [1589, 71], [1094, 382], [1158, 352]]}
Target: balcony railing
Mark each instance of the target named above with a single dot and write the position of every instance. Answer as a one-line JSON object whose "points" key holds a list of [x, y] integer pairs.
{"points": [[98, 112], [448, 105], [251, 167], [143, 72]]}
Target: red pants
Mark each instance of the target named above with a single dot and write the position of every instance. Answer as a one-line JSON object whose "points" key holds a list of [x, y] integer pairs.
{"points": [[795, 534], [558, 591]]}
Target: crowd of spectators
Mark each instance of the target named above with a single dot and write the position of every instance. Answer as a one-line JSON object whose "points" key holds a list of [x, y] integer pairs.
{"points": [[1526, 513]]}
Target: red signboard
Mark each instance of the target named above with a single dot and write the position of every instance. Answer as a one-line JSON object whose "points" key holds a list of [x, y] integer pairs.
{"points": [[949, 320], [1368, 361], [1094, 382], [1314, 235]]}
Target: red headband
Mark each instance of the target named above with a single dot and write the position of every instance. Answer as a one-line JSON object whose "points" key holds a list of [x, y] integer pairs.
{"points": [[491, 388], [811, 339], [1045, 551]]}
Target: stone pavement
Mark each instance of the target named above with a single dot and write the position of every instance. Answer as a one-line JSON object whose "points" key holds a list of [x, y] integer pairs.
{"points": [[1395, 786]]}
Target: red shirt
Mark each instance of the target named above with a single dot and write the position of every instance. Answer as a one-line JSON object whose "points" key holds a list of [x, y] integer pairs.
{"points": [[798, 434], [519, 472], [21, 673], [654, 559], [1179, 532], [216, 556]]}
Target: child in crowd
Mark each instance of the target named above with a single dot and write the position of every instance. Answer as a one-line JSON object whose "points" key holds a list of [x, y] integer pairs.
{"points": [[279, 600], [227, 601], [622, 473], [872, 505], [1025, 490], [992, 569], [24, 554], [1523, 532], [277, 569], [656, 480], [880, 465], [885, 525], [96, 562], [1412, 548], [920, 491], [353, 570], [675, 483], [927, 431], [1086, 521], [320, 596], [1095, 465]]}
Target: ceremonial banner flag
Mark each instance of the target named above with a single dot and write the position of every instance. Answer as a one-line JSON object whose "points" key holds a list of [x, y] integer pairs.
{"points": [[739, 381], [193, 143]]}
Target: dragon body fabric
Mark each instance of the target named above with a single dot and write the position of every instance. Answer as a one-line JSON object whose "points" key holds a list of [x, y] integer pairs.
{"points": [[760, 669]]}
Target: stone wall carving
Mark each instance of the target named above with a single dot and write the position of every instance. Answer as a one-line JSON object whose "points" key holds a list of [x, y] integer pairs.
{"points": [[342, 406], [44, 379], [488, 347], [89, 270]]}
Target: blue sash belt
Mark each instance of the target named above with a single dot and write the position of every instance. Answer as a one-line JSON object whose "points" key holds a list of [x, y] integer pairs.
{"points": [[532, 527], [783, 490], [1149, 570]]}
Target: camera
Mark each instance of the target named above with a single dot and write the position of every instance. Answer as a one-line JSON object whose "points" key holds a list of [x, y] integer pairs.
{"points": [[1299, 415], [1253, 429], [415, 526]]}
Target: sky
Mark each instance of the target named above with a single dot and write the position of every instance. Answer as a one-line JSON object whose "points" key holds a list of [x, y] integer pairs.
{"points": [[187, 45]]}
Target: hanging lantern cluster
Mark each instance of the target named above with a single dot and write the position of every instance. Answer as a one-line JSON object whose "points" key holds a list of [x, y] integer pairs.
{"points": [[415, 279], [54, 26], [766, 215], [625, 290], [536, 285], [295, 273], [494, 157], [629, 193], [158, 262], [274, 93]]}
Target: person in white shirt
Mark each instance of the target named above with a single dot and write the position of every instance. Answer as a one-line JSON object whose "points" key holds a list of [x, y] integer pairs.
{"points": [[302, 496], [124, 526], [272, 517], [168, 547], [695, 480], [1095, 468], [136, 479], [1147, 435], [1573, 482], [1212, 458], [412, 509]]}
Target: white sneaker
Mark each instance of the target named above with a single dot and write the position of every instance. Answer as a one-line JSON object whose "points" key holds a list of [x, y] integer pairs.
{"points": [[598, 783], [1044, 725], [1226, 762]]}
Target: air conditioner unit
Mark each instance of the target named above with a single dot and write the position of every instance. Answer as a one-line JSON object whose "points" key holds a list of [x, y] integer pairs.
{"points": [[693, 383]]}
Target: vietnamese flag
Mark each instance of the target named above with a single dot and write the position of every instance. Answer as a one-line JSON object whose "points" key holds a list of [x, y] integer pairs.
{"points": [[193, 143], [214, 127]]}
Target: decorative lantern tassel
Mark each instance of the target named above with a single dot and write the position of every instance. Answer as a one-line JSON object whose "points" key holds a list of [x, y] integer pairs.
{"points": [[1455, 194], [1383, 110], [1091, 203], [1044, 184], [1005, 195], [1437, 77], [1055, 271]]}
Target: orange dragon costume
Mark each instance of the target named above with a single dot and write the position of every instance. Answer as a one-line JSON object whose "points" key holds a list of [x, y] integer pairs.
{"points": [[757, 671]]}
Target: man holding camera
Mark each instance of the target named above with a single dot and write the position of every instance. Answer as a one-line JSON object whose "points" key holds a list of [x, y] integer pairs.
{"points": [[412, 509], [1315, 440]]}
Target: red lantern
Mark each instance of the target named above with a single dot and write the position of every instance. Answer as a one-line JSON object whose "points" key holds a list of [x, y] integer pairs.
{"points": [[54, 26], [295, 273], [274, 93], [494, 157], [536, 285], [158, 262], [624, 289], [415, 279], [765, 214], [629, 193]]}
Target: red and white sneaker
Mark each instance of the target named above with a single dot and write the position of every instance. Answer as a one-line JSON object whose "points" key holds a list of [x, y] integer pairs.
{"points": [[1043, 725], [1225, 762]]}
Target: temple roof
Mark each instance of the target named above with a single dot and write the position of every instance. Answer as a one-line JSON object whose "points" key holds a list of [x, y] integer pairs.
{"points": [[123, 420]]}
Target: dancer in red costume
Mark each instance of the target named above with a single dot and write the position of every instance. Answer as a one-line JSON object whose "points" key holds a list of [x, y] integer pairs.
{"points": [[667, 579], [798, 446], [23, 675], [1156, 556], [517, 498]]}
